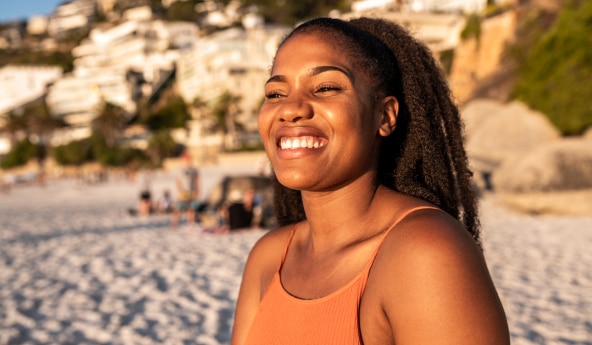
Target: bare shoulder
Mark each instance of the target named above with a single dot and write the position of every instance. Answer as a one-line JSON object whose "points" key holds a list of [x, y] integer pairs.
{"points": [[428, 242], [265, 256], [432, 282], [271, 245], [432, 231]]}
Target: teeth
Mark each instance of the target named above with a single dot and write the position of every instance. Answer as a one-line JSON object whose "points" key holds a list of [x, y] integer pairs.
{"points": [[301, 142]]}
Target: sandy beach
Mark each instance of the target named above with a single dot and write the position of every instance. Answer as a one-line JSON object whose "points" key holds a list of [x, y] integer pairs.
{"points": [[76, 268]]}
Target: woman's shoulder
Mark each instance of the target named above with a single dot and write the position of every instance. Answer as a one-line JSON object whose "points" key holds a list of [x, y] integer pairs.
{"points": [[274, 238], [425, 241], [430, 268], [417, 220], [267, 252], [424, 231]]}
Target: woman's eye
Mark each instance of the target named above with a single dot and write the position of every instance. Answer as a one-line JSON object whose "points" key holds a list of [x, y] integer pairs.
{"points": [[272, 95], [327, 88]]}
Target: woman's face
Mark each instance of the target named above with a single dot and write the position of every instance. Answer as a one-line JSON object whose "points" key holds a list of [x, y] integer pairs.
{"points": [[319, 122]]}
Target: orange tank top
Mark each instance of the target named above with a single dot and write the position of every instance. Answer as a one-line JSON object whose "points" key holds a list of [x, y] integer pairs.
{"points": [[283, 319]]}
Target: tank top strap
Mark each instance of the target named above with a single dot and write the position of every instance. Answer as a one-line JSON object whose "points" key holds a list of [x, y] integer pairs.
{"points": [[288, 242], [397, 221]]}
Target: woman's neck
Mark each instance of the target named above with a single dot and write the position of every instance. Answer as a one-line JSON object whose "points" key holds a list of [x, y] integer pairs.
{"points": [[344, 216]]}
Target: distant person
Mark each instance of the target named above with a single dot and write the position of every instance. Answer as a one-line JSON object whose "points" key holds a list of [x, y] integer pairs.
{"points": [[240, 213], [164, 204], [188, 189], [145, 206]]}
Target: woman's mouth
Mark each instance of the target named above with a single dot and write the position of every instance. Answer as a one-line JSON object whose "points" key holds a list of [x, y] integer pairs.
{"points": [[302, 142]]}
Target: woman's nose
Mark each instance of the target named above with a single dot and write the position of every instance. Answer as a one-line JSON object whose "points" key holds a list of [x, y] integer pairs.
{"points": [[295, 110]]}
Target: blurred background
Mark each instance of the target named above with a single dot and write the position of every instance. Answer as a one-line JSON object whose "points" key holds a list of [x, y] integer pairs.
{"points": [[131, 84], [103, 101]]}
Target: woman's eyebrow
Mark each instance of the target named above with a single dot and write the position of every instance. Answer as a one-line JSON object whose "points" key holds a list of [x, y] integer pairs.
{"points": [[313, 71], [322, 69], [276, 78]]}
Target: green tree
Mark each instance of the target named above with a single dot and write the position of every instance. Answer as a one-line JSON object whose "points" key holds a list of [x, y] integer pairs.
{"points": [[60, 58], [183, 11], [200, 109], [14, 125], [225, 111], [41, 124], [74, 153], [110, 123], [160, 146], [19, 155], [556, 70], [173, 113]]}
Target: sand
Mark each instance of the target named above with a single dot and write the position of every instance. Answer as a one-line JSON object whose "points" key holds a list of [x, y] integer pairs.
{"points": [[76, 268]]}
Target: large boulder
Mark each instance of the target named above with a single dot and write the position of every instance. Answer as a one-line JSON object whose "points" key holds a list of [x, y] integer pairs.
{"points": [[496, 132], [553, 179], [560, 203], [476, 112], [559, 166], [512, 131]]}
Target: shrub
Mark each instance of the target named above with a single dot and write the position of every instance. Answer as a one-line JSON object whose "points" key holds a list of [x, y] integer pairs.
{"points": [[19, 155], [173, 114], [74, 153], [556, 73], [94, 148]]}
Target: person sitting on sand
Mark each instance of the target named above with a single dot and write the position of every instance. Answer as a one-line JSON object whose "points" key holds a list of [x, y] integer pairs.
{"points": [[164, 204], [238, 213]]}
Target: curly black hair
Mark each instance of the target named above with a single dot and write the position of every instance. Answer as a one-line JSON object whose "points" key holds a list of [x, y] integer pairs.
{"points": [[424, 156]]}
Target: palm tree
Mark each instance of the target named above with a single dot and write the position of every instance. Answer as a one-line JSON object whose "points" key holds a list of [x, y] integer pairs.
{"points": [[225, 111], [160, 146], [110, 123], [14, 125], [40, 124]]}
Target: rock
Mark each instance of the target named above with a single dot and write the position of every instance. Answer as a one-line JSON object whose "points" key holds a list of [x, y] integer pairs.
{"points": [[496, 132], [553, 179], [560, 166], [474, 113], [512, 131], [561, 203], [588, 134]]}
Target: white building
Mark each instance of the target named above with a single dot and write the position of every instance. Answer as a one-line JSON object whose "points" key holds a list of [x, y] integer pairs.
{"points": [[103, 63], [463, 6], [455, 6], [439, 31], [37, 25], [365, 5], [20, 85], [71, 15], [235, 60]]}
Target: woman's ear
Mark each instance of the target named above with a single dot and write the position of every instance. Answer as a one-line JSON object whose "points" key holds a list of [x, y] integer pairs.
{"points": [[390, 110]]}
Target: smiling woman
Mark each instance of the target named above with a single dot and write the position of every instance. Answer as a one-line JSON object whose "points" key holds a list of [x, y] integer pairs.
{"points": [[379, 241]]}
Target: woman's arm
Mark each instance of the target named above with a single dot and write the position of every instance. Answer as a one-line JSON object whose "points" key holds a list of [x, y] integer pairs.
{"points": [[439, 290]]}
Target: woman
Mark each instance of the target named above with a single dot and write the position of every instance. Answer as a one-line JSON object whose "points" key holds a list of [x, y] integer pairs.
{"points": [[380, 240]]}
